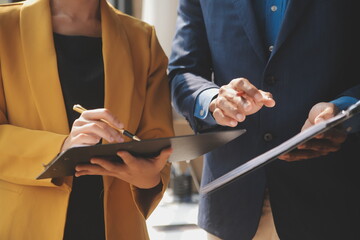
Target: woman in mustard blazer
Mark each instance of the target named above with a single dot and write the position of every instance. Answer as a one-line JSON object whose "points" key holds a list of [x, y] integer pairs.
{"points": [[47, 48]]}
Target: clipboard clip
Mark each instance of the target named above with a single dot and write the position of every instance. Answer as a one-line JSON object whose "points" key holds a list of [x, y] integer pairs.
{"points": [[344, 115], [353, 109]]}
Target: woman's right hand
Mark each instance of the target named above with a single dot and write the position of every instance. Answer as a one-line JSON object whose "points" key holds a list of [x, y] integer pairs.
{"points": [[88, 129]]}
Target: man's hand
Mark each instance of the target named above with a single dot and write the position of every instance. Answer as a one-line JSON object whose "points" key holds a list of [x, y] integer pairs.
{"points": [[322, 144], [238, 99]]}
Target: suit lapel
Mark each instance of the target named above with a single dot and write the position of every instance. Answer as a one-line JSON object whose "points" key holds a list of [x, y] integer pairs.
{"points": [[247, 17], [41, 65], [293, 15]]}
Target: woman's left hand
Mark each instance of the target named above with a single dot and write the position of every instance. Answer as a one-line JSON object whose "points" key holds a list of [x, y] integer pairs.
{"points": [[141, 172]]}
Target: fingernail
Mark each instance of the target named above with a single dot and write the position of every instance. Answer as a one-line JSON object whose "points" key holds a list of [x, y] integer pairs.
{"points": [[233, 123], [239, 117]]}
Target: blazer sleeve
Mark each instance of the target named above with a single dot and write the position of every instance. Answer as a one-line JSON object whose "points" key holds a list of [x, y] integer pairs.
{"points": [[24, 151], [156, 122], [190, 67]]}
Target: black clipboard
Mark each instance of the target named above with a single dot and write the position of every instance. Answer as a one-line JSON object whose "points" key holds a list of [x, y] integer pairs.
{"points": [[283, 148], [185, 148]]}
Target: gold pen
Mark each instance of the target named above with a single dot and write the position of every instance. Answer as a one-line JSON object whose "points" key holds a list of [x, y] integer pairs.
{"points": [[78, 108]]}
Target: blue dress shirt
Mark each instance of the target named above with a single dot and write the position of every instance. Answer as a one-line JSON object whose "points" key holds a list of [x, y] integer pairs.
{"points": [[270, 14]]}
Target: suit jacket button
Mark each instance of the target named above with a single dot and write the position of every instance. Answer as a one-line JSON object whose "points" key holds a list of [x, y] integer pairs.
{"points": [[268, 137]]}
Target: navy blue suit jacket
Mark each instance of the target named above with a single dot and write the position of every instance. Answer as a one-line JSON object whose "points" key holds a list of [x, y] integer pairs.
{"points": [[315, 59]]}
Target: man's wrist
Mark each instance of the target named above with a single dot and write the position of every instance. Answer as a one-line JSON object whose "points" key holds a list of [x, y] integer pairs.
{"points": [[203, 103]]}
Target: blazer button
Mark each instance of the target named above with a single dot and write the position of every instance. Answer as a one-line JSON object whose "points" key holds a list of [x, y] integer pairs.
{"points": [[268, 137], [270, 80]]}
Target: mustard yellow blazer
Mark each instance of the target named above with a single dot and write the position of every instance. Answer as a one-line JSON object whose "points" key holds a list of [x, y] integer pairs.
{"points": [[33, 121]]}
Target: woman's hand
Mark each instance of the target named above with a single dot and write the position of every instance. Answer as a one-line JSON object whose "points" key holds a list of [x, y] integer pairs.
{"points": [[140, 172], [88, 129]]}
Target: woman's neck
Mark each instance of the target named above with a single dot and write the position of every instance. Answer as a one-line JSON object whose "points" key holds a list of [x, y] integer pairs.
{"points": [[76, 17], [76, 9]]}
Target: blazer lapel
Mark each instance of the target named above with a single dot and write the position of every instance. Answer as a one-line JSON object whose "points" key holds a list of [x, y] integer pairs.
{"points": [[247, 17], [41, 65], [119, 76], [292, 16]]}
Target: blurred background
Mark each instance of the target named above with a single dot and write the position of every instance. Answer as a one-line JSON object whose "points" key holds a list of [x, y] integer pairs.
{"points": [[176, 216]]}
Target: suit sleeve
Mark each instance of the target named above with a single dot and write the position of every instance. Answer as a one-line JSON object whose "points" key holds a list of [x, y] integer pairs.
{"points": [[190, 66], [24, 151], [354, 51], [353, 66], [156, 122]]}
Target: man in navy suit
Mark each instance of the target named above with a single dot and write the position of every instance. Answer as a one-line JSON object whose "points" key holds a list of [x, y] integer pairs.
{"points": [[304, 53]]}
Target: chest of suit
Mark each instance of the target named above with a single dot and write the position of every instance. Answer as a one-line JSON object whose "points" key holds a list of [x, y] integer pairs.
{"points": [[291, 72]]}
